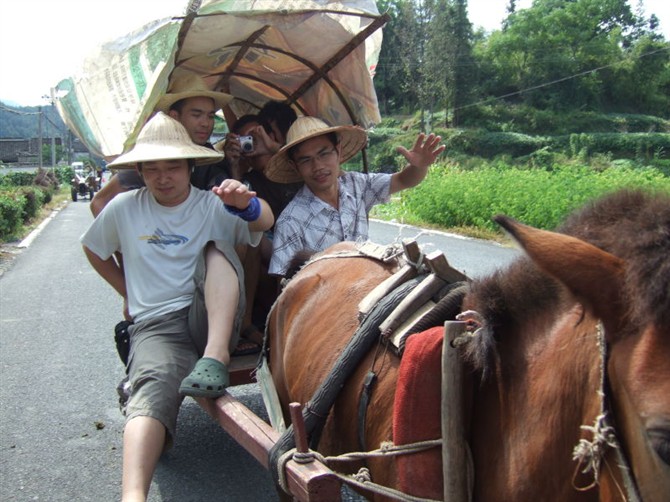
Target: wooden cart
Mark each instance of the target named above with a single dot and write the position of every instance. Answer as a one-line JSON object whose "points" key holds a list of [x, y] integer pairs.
{"points": [[313, 481]]}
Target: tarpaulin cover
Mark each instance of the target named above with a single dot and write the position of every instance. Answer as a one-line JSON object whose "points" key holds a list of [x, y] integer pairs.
{"points": [[319, 56]]}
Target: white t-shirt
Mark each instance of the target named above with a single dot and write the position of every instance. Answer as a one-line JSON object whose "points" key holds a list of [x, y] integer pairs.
{"points": [[161, 245]]}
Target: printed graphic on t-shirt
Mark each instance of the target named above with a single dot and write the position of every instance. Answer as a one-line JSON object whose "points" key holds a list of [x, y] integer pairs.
{"points": [[162, 240]]}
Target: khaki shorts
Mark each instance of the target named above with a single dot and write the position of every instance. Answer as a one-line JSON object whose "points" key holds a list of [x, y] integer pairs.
{"points": [[164, 350]]}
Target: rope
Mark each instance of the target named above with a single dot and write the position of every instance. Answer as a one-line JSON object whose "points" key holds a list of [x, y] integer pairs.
{"points": [[387, 449], [592, 453], [362, 478]]}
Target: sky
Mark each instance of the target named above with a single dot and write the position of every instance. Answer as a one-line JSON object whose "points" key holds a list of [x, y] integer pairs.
{"points": [[45, 41]]}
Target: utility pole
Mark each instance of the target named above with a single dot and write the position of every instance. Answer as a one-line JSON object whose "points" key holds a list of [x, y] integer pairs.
{"points": [[53, 133], [39, 140]]}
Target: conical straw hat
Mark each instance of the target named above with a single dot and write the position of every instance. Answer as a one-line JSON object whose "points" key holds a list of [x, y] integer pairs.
{"points": [[164, 138], [281, 168], [190, 85]]}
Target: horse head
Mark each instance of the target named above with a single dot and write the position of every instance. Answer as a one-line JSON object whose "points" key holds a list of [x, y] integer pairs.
{"points": [[624, 281]]}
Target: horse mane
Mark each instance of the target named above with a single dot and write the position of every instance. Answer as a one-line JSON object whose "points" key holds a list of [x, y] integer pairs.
{"points": [[634, 226], [631, 224]]}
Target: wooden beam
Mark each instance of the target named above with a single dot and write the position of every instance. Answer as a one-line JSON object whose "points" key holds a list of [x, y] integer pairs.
{"points": [[307, 482], [454, 455]]}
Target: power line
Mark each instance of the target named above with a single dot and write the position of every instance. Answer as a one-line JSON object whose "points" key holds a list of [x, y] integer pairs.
{"points": [[563, 79], [11, 110]]}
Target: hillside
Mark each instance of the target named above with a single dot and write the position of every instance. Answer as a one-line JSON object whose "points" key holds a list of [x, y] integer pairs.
{"points": [[23, 122]]}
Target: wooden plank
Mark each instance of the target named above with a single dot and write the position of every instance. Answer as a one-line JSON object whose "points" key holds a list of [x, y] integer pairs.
{"points": [[439, 265], [246, 428], [307, 482], [454, 458]]}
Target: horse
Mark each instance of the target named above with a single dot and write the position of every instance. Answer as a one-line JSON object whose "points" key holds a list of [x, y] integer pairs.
{"points": [[567, 369]]}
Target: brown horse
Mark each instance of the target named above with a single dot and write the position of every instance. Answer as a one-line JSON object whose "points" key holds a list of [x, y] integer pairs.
{"points": [[597, 290]]}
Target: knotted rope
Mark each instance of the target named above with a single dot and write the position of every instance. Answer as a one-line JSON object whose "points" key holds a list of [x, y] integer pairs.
{"points": [[590, 454], [362, 478]]}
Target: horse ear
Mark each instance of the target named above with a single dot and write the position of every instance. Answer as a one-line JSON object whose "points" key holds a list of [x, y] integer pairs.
{"points": [[594, 276]]}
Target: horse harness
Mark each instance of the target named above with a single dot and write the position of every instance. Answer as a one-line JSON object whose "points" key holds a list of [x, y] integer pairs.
{"points": [[388, 309], [591, 453], [587, 453]]}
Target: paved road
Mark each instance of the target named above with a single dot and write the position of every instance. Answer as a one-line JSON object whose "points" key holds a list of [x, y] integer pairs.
{"points": [[60, 429], [473, 257]]}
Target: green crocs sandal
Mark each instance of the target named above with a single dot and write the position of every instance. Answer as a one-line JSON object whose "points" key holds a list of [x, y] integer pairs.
{"points": [[208, 379]]}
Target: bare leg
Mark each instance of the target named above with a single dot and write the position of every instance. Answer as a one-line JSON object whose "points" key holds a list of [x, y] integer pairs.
{"points": [[221, 298], [143, 441]]}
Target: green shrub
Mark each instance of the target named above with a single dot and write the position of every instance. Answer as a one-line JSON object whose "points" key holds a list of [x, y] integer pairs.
{"points": [[539, 151], [504, 117], [34, 198], [640, 146], [17, 178], [65, 174], [451, 197], [11, 213]]}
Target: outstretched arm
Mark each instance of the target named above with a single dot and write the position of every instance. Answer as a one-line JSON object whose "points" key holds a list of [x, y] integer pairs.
{"points": [[419, 158]]}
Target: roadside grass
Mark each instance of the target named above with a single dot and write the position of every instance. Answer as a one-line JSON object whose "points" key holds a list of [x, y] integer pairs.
{"points": [[395, 211], [463, 200]]}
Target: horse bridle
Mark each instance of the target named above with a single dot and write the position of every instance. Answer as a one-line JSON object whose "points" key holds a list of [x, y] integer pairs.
{"points": [[591, 453]]}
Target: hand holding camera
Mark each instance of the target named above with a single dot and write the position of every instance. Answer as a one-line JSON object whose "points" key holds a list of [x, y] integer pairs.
{"points": [[246, 144]]}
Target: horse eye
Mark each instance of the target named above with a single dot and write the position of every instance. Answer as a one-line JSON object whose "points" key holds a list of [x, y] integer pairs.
{"points": [[660, 442]]}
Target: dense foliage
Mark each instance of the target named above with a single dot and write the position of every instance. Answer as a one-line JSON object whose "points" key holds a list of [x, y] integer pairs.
{"points": [[22, 195], [454, 197], [23, 122], [558, 55]]}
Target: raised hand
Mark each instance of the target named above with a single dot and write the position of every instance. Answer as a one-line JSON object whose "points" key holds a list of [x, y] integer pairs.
{"points": [[424, 152]]}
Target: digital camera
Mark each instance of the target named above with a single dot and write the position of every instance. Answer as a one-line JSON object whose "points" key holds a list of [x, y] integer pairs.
{"points": [[247, 144]]}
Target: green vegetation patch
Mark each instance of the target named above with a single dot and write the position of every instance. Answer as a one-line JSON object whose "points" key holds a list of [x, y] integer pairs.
{"points": [[452, 197]]}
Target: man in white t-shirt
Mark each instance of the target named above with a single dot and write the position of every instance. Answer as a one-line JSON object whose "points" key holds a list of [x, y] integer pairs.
{"points": [[178, 247]]}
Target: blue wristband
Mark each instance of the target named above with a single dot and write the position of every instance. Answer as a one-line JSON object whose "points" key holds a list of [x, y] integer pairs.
{"points": [[251, 213]]}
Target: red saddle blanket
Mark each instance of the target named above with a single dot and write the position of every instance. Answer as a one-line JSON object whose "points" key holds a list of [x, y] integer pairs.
{"points": [[416, 413]]}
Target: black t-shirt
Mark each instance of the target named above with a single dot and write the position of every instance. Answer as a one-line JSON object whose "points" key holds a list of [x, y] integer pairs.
{"points": [[205, 177], [277, 195]]}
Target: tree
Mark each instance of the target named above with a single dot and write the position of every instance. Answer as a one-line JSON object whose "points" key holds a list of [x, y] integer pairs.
{"points": [[46, 154], [641, 83], [556, 47], [450, 66], [396, 76], [510, 9], [388, 76], [462, 72]]}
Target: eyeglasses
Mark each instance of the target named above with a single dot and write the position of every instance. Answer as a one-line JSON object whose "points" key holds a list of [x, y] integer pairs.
{"points": [[324, 156]]}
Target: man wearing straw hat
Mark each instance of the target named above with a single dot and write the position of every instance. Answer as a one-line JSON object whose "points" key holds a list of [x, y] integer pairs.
{"points": [[333, 205], [178, 246], [192, 103]]}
